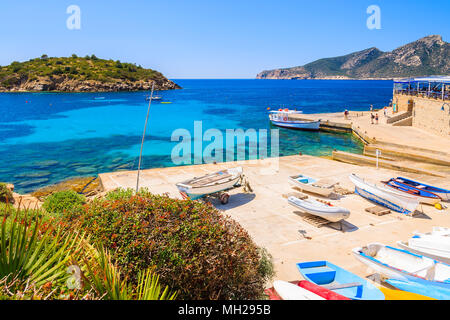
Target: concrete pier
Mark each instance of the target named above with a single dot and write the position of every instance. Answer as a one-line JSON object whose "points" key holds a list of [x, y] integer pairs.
{"points": [[277, 226]]}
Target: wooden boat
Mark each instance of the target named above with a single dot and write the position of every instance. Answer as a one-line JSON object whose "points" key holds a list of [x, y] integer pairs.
{"points": [[423, 290], [398, 264], [211, 183], [311, 185], [316, 208], [320, 291], [389, 198], [434, 245], [442, 193], [341, 281], [290, 291], [391, 294], [422, 196], [280, 118]]}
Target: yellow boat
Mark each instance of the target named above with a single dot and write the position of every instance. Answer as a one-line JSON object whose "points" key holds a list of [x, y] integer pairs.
{"points": [[391, 294], [166, 102]]}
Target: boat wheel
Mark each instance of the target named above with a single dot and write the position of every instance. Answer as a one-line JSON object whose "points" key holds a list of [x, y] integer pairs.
{"points": [[224, 198]]}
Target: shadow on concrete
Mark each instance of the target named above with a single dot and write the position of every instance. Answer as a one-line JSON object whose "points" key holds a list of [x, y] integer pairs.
{"points": [[236, 200], [318, 222]]}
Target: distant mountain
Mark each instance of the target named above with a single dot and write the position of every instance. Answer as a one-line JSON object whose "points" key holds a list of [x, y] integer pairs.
{"points": [[76, 74], [424, 57]]}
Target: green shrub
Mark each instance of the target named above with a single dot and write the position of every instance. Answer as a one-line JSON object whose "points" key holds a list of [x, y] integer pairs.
{"points": [[5, 194], [62, 201], [195, 249]]}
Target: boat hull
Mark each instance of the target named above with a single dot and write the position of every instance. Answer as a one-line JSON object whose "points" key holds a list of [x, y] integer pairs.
{"points": [[391, 200], [408, 259], [290, 291], [309, 187], [440, 192], [424, 252], [333, 214], [424, 290], [431, 199], [298, 125], [324, 273]]}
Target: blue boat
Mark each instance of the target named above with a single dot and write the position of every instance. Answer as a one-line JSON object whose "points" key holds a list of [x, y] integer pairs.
{"points": [[444, 194], [341, 281], [422, 195], [414, 287]]}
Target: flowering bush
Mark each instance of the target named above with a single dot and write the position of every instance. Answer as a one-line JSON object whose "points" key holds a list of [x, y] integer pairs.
{"points": [[5, 194], [63, 201], [194, 248]]}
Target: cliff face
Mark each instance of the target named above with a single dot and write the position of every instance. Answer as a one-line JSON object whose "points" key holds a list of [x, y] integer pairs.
{"points": [[75, 74], [426, 56]]}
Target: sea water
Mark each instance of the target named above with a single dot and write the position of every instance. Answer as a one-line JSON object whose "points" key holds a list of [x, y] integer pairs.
{"points": [[49, 137]]}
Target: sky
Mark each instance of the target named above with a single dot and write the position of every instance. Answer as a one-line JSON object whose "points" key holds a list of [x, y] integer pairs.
{"points": [[188, 39]]}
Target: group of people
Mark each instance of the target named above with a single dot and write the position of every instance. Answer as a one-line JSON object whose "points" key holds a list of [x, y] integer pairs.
{"points": [[372, 116]]}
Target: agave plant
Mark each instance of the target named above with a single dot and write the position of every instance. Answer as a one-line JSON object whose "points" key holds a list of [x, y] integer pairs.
{"points": [[108, 282], [27, 255]]}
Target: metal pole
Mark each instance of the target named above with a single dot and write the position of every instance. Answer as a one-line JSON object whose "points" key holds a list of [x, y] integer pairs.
{"points": [[143, 137]]}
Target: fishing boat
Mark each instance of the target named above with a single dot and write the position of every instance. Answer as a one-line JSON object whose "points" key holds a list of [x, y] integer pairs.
{"points": [[341, 281], [419, 289], [212, 183], [311, 185], [154, 98], [389, 198], [290, 291], [281, 119], [422, 196], [398, 264], [392, 294], [442, 193], [434, 245], [311, 287], [323, 210]]}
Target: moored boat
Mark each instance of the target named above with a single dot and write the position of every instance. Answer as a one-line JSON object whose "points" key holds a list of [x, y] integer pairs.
{"points": [[339, 280], [211, 183], [389, 198], [444, 194], [311, 185], [290, 291], [422, 196], [316, 208], [281, 118], [434, 245], [398, 264]]}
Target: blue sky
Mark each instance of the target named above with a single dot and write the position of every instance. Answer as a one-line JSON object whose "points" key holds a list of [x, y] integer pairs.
{"points": [[214, 38]]}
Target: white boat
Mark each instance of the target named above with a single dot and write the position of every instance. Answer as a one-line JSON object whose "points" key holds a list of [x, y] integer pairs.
{"points": [[393, 263], [211, 183], [316, 208], [289, 291], [311, 185], [421, 195], [434, 245], [280, 118], [389, 198]]}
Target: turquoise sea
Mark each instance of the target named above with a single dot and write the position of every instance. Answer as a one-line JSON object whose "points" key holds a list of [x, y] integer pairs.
{"points": [[49, 137]]}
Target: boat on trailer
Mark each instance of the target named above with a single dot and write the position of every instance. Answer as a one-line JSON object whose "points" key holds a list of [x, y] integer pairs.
{"points": [[281, 119], [339, 280], [422, 195], [209, 184], [388, 198], [311, 185], [323, 210], [444, 194], [405, 266], [434, 245]]}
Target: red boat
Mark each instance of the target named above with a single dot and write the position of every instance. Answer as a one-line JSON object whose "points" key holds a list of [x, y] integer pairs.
{"points": [[314, 288]]}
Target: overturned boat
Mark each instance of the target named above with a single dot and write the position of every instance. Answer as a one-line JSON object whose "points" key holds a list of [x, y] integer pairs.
{"points": [[212, 183], [323, 210]]}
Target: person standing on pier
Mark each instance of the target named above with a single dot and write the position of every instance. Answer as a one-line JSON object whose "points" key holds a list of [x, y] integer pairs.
{"points": [[371, 107], [372, 117], [376, 118]]}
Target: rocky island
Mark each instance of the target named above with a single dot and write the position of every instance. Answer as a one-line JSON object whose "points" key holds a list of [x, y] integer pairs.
{"points": [[76, 74], [424, 57]]}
